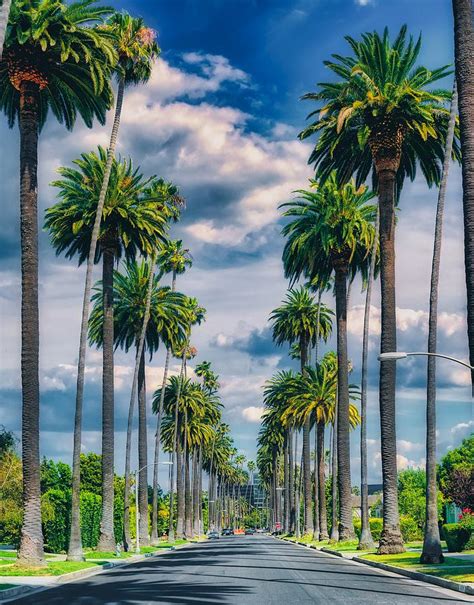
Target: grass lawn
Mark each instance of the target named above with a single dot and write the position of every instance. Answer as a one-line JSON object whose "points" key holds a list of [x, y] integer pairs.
{"points": [[459, 570], [7, 554], [53, 568]]}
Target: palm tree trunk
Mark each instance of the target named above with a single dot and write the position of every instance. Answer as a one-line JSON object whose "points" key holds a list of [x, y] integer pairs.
{"points": [[196, 494], [308, 500], [31, 544], [142, 455], [334, 537], [464, 51], [391, 539], [156, 459], [174, 464], [316, 528], [107, 538], [4, 14], [346, 526], [286, 486], [323, 518], [291, 483], [180, 503], [139, 359], [188, 498], [75, 543], [366, 541], [431, 544]]}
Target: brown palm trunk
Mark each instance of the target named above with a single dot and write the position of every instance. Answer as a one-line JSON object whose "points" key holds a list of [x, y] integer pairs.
{"points": [[323, 518], [107, 539], [432, 552], [391, 538], [291, 483], [75, 542], [464, 52], [196, 494], [286, 492], [306, 453], [142, 455], [316, 515], [31, 544], [346, 527], [366, 541], [334, 537], [180, 499]]}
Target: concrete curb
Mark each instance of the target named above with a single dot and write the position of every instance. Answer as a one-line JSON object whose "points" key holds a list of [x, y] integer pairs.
{"points": [[11, 593], [418, 575]]}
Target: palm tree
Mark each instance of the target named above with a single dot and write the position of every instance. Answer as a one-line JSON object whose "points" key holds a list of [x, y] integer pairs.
{"points": [[4, 13], [432, 552], [135, 49], [331, 231], [464, 51], [51, 61], [297, 322], [366, 541], [174, 259], [133, 222], [166, 323], [380, 117]]}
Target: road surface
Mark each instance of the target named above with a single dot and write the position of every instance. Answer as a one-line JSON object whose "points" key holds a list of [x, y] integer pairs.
{"points": [[244, 570]]}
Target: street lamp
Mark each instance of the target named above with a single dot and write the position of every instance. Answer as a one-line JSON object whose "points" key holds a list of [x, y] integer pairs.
{"points": [[396, 355], [137, 514]]}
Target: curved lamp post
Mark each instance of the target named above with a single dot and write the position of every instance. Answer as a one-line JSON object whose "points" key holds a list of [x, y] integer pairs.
{"points": [[137, 514], [396, 355]]}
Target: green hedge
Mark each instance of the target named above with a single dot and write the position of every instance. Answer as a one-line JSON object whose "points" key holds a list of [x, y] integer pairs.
{"points": [[456, 536], [91, 511], [56, 517], [410, 529], [375, 523]]}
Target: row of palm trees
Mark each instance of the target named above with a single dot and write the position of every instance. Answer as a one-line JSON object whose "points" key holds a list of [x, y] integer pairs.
{"points": [[62, 59], [382, 119]]}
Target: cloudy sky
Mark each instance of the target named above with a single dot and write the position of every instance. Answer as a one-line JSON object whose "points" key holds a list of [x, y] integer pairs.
{"points": [[220, 118]]}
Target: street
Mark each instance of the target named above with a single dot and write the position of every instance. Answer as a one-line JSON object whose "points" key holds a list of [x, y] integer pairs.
{"points": [[244, 570]]}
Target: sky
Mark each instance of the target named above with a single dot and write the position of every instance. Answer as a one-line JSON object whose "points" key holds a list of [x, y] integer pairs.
{"points": [[220, 118]]}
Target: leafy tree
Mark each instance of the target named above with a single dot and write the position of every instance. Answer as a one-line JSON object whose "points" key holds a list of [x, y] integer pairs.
{"points": [[455, 473], [55, 475], [91, 473], [380, 116], [459, 487], [7, 440], [412, 496], [56, 58]]}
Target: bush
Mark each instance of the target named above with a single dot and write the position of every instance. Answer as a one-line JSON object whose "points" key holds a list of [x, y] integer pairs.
{"points": [[91, 512], [410, 529], [56, 518], [456, 536], [376, 525], [466, 521]]}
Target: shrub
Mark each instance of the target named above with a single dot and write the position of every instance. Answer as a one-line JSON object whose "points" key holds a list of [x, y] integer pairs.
{"points": [[456, 536], [466, 521], [376, 525], [56, 518], [410, 529], [91, 511]]}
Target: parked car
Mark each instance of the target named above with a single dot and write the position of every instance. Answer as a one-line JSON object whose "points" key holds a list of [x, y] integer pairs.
{"points": [[249, 531], [213, 535], [227, 532], [259, 530]]}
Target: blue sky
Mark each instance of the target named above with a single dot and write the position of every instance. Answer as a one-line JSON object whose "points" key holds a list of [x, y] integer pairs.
{"points": [[220, 118]]}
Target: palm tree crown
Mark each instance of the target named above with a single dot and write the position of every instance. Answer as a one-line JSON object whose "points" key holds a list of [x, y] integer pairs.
{"points": [[380, 110], [133, 221], [62, 50]]}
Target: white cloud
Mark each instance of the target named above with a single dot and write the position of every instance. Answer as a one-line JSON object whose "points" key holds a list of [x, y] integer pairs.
{"points": [[252, 413], [364, 2]]}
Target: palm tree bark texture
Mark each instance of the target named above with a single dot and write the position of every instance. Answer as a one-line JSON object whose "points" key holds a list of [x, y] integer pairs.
{"points": [[142, 454], [31, 544], [464, 53]]}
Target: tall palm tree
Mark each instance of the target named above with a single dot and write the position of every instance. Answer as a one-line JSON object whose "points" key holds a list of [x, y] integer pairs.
{"points": [[296, 321], [463, 52], [54, 58], [331, 232], [167, 321], [366, 541], [136, 49], [432, 552], [174, 259], [380, 116], [133, 222]]}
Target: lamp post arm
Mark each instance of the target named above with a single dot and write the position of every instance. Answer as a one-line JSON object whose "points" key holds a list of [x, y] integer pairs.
{"points": [[466, 365]]}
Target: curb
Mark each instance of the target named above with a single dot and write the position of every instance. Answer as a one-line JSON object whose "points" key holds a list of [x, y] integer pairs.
{"points": [[418, 575], [11, 593]]}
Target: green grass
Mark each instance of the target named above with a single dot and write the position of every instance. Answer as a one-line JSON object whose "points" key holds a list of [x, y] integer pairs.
{"points": [[99, 555], [7, 554], [53, 568], [459, 570]]}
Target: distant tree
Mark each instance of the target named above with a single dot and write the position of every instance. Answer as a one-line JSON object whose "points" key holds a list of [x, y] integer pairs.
{"points": [[459, 487], [55, 475], [7, 440], [91, 473], [459, 458]]}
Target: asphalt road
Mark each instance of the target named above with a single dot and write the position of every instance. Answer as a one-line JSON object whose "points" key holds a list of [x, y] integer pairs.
{"points": [[243, 570]]}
